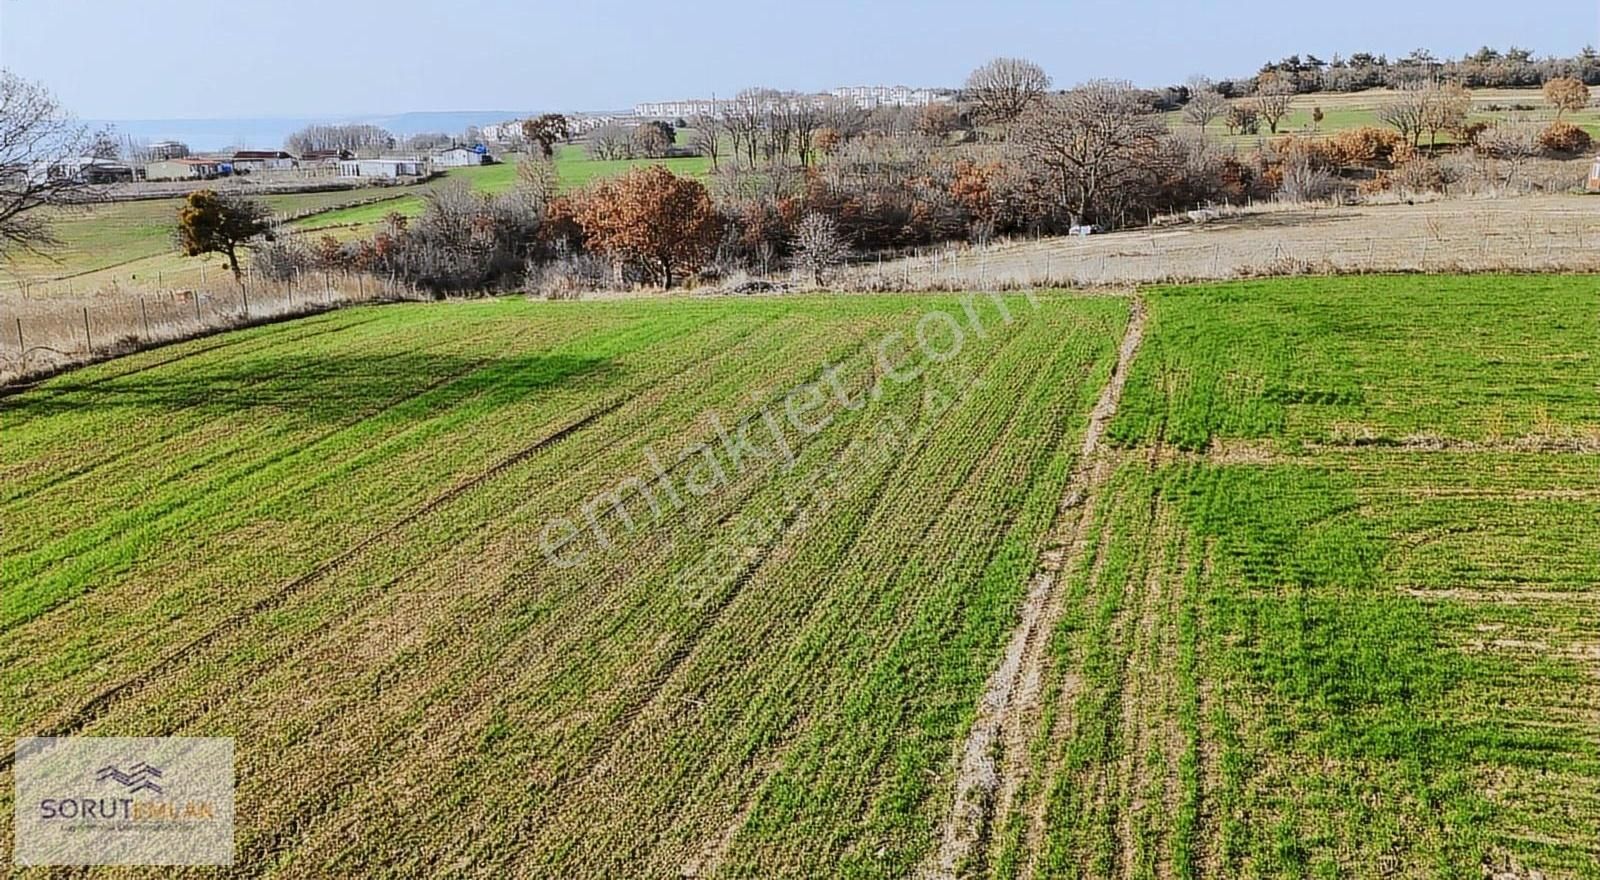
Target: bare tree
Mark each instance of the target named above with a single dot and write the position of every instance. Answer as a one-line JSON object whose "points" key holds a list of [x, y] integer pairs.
{"points": [[38, 140], [708, 136], [818, 247], [1091, 142], [652, 140], [1242, 118], [805, 118], [1514, 144], [748, 119], [1444, 108], [843, 117], [429, 141], [537, 182], [355, 138], [1204, 107], [938, 120], [610, 142], [1407, 113], [1272, 101], [1005, 88]]}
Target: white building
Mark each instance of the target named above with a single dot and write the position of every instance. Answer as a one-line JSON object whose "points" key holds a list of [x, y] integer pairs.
{"points": [[460, 157], [873, 97], [679, 109], [865, 97], [502, 132], [384, 169], [163, 150]]}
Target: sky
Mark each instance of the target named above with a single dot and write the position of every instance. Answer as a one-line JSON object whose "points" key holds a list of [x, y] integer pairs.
{"points": [[148, 59]]}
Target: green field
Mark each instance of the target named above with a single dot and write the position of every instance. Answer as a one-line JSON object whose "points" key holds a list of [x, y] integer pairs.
{"points": [[1344, 111], [1322, 604], [212, 524], [574, 169], [1336, 614]]}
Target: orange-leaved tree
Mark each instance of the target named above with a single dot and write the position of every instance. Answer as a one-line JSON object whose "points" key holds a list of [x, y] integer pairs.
{"points": [[652, 220], [1566, 94]]}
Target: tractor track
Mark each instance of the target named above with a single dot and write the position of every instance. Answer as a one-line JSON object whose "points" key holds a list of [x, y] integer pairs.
{"points": [[100, 704], [985, 766]]}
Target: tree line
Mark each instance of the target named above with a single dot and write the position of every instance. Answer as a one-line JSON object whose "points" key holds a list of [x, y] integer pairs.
{"points": [[1487, 68]]}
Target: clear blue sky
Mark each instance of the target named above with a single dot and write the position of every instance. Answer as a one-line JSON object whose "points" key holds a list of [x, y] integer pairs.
{"points": [[200, 58]]}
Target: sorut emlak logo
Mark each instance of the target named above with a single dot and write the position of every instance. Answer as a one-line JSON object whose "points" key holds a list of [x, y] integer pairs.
{"points": [[140, 777], [124, 801]]}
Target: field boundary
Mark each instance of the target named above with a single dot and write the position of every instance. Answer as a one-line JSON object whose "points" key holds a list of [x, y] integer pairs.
{"points": [[985, 764]]}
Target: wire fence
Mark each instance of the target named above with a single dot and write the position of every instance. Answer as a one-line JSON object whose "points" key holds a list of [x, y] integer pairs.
{"points": [[43, 335]]}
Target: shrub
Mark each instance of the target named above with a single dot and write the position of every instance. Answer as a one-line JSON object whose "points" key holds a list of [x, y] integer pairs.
{"points": [[1363, 146], [1470, 132], [1565, 139], [1418, 174], [282, 259]]}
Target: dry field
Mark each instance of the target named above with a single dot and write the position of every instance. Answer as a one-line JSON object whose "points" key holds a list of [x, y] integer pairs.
{"points": [[1532, 234], [1266, 579]]}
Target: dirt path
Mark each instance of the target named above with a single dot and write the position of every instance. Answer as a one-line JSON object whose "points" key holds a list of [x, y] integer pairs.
{"points": [[994, 754]]}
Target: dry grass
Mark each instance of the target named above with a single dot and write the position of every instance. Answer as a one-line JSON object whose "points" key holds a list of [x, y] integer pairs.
{"points": [[1541, 233], [40, 337]]}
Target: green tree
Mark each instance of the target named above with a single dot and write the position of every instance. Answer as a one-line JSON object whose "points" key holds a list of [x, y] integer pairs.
{"points": [[212, 223]]}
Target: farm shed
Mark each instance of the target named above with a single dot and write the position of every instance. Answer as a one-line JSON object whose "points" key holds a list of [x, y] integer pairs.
{"points": [[184, 169], [383, 168], [249, 161], [84, 169], [460, 157]]}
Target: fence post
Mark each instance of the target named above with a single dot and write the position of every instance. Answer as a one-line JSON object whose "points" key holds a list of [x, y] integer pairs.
{"points": [[145, 315], [22, 347], [88, 340], [244, 294], [197, 320]]}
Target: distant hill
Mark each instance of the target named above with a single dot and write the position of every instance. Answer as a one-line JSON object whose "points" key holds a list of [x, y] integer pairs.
{"points": [[269, 132]]}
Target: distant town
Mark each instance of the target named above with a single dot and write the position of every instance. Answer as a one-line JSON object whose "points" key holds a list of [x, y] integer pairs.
{"points": [[173, 161]]}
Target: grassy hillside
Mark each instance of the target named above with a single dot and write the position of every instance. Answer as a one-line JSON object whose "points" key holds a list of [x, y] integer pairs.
{"points": [[127, 242], [574, 169]]}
